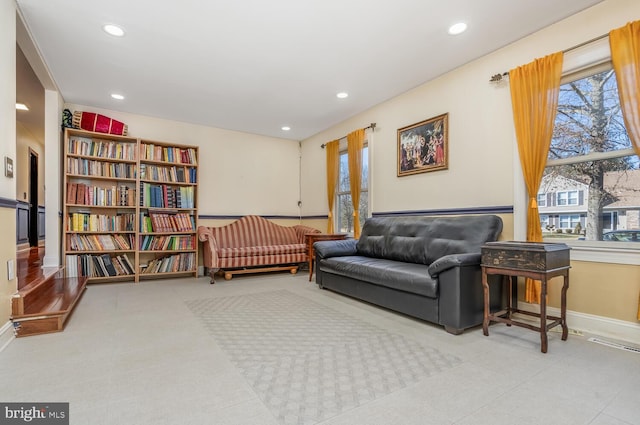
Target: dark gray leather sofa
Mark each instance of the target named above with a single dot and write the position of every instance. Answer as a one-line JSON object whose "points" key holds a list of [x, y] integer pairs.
{"points": [[425, 267]]}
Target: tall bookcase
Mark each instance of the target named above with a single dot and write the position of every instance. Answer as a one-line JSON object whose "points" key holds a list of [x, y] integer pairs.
{"points": [[130, 207], [167, 209]]}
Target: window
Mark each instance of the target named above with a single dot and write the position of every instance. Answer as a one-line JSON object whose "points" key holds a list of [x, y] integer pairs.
{"points": [[344, 205], [567, 198], [542, 200], [569, 221], [544, 221], [591, 161]]}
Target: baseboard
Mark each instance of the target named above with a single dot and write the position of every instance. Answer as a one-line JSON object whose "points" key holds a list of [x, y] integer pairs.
{"points": [[6, 335], [50, 261], [591, 324]]}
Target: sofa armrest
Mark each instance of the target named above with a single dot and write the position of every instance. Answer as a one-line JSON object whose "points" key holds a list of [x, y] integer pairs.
{"points": [[339, 248], [210, 257], [453, 260], [302, 230]]}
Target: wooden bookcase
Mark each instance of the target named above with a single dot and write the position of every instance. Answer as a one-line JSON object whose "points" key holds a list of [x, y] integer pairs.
{"points": [[130, 207], [168, 219]]}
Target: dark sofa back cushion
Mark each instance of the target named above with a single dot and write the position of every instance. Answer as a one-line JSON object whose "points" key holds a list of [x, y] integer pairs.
{"points": [[425, 239]]}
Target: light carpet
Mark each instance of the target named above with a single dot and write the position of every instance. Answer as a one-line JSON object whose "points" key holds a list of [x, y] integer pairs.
{"points": [[308, 362]]}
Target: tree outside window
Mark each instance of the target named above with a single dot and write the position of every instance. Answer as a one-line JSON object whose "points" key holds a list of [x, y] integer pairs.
{"points": [[344, 204]]}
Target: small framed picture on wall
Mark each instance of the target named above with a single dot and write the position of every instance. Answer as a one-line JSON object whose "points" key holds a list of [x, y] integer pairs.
{"points": [[424, 146]]}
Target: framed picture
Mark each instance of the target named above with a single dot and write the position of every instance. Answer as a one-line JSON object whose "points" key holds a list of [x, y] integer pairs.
{"points": [[424, 146]]}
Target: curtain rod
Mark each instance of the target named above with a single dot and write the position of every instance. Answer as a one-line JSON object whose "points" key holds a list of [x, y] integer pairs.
{"points": [[499, 77], [371, 126]]}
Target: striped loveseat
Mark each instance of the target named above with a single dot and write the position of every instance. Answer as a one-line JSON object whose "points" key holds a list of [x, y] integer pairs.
{"points": [[253, 244]]}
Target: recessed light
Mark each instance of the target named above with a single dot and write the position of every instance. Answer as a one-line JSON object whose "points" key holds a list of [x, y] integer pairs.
{"points": [[342, 95], [285, 128], [117, 96], [113, 30], [22, 107], [458, 28]]}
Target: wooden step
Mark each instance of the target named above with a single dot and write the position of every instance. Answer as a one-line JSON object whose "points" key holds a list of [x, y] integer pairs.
{"points": [[45, 305]]}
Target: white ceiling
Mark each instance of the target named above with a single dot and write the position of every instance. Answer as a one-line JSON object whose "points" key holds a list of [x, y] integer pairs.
{"points": [[256, 65]]}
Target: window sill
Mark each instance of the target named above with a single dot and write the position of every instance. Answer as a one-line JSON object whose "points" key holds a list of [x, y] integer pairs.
{"points": [[581, 251]]}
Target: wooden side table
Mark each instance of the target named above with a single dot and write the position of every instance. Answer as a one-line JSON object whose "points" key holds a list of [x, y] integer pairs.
{"points": [[539, 261], [311, 238]]}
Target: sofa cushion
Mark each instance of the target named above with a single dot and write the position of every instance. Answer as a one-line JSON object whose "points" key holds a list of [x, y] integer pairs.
{"points": [[407, 277], [425, 239], [251, 251]]}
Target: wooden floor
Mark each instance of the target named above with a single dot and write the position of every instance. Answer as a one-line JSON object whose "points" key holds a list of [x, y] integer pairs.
{"points": [[45, 298]]}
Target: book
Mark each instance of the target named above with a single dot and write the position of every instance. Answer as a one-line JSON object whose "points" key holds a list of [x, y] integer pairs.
{"points": [[71, 192], [108, 266], [80, 194]]}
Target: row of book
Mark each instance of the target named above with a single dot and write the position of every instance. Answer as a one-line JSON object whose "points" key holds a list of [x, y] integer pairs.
{"points": [[102, 148], [168, 173], [87, 222], [84, 194], [173, 263], [76, 242], [86, 167], [163, 196], [166, 223], [167, 243], [174, 154], [103, 265]]}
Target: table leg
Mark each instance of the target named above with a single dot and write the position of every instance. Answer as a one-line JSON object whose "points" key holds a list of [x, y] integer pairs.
{"points": [[510, 301], [485, 290], [563, 307], [543, 315], [310, 267]]}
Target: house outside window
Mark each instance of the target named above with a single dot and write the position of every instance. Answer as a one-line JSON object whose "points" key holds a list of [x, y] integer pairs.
{"points": [[344, 204]]}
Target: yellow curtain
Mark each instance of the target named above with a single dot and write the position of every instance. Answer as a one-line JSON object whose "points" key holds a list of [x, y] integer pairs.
{"points": [[333, 167], [625, 55], [534, 99], [355, 143]]}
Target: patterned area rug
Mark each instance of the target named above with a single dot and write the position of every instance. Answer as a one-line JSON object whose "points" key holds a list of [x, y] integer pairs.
{"points": [[308, 362]]}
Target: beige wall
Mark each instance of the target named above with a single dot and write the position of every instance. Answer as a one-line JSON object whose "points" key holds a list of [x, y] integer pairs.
{"points": [[25, 141], [7, 252], [7, 93], [482, 153], [7, 146], [239, 173]]}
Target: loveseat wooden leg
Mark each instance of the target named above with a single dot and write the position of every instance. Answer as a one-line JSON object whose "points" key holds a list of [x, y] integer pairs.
{"points": [[212, 273]]}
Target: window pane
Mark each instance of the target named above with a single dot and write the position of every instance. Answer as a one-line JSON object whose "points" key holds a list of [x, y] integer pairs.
{"points": [[343, 179], [589, 118], [345, 214], [364, 184], [573, 197]]}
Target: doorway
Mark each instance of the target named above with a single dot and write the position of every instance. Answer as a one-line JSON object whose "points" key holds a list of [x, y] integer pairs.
{"points": [[33, 198]]}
